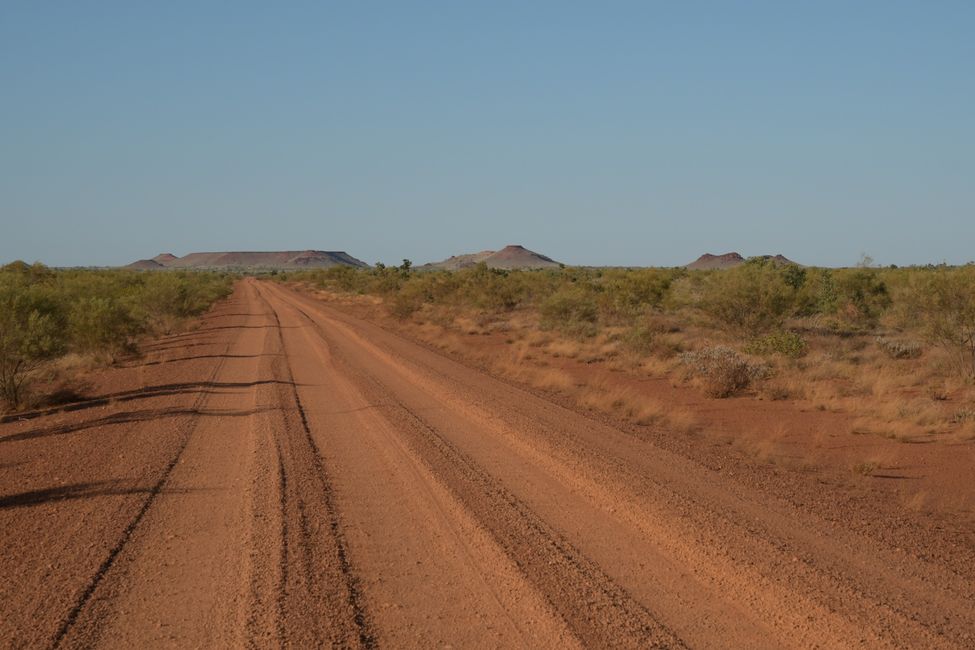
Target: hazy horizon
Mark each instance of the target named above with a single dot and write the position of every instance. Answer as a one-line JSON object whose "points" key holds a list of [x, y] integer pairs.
{"points": [[620, 134]]}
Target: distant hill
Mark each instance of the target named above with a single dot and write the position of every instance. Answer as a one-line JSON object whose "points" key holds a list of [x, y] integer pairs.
{"points": [[145, 265], [510, 257], [730, 261], [251, 260]]}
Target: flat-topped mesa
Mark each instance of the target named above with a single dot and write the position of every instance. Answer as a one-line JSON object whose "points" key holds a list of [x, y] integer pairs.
{"points": [[252, 260], [513, 256]]}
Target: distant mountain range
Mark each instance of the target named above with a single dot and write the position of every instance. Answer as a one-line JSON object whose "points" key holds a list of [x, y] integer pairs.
{"points": [[250, 260], [730, 261], [510, 257]]}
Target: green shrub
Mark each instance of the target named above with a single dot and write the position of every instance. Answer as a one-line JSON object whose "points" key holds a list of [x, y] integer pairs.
{"points": [[571, 310], [640, 339], [817, 295], [101, 324], [31, 331], [44, 313], [406, 303], [944, 302], [786, 343], [627, 293], [343, 278], [861, 296], [487, 288], [751, 299]]}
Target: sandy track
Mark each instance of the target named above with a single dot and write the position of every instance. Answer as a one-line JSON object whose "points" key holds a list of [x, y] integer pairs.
{"points": [[289, 475]]}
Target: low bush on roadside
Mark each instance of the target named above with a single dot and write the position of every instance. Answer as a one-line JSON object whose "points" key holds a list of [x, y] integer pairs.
{"points": [[944, 302], [625, 294], [862, 296], [572, 311], [45, 313], [788, 344], [819, 326], [899, 349], [751, 299], [724, 371], [31, 332], [640, 339], [406, 303]]}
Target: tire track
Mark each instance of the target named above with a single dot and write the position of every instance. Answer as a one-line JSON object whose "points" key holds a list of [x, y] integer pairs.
{"points": [[596, 609], [779, 561], [835, 574], [306, 505], [92, 586]]}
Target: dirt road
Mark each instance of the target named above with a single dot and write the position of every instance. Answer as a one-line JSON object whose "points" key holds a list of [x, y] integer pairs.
{"points": [[287, 475]]}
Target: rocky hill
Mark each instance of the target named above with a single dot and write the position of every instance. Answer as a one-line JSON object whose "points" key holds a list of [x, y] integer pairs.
{"points": [[730, 261], [513, 256]]}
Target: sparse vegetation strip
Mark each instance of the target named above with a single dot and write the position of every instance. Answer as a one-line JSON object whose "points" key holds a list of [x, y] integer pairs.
{"points": [[863, 339], [46, 314]]}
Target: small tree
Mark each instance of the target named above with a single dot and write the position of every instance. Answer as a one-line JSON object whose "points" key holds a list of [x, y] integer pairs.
{"points": [[572, 310], [101, 323], [31, 331], [863, 295], [752, 299], [944, 301]]}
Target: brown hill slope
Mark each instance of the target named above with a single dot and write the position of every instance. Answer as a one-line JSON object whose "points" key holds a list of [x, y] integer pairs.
{"points": [[252, 260], [513, 256], [145, 265]]}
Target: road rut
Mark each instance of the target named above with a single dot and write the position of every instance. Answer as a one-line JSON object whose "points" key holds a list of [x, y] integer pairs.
{"points": [[289, 475]]}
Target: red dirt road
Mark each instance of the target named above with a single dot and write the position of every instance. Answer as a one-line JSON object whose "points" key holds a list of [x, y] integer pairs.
{"points": [[288, 475]]}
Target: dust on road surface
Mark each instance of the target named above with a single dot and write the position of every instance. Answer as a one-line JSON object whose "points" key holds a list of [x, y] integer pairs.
{"points": [[289, 475]]}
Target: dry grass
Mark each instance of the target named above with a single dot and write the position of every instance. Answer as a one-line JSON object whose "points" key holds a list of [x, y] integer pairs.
{"points": [[606, 396], [550, 379], [569, 348], [898, 398], [965, 432], [656, 367], [865, 468]]}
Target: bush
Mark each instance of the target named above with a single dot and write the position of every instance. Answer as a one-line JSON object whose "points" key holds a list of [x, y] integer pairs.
{"points": [[167, 297], [571, 310], [487, 288], [31, 331], [900, 349], [44, 313], [817, 295], [627, 293], [944, 301], [101, 323], [343, 278], [724, 371], [786, 343], [751, 299], [640, 339], [861, 296], [406, 303]]}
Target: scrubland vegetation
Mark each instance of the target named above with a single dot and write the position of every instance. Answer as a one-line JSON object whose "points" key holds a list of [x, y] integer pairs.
{"points": [[894, 346], [46, 314]]}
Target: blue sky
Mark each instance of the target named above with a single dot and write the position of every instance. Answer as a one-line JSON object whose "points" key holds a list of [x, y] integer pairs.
{"points": [[632, 133]]}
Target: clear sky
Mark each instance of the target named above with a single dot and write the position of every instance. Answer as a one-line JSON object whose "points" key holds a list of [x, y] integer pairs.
{"points": [[632, 133]]}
